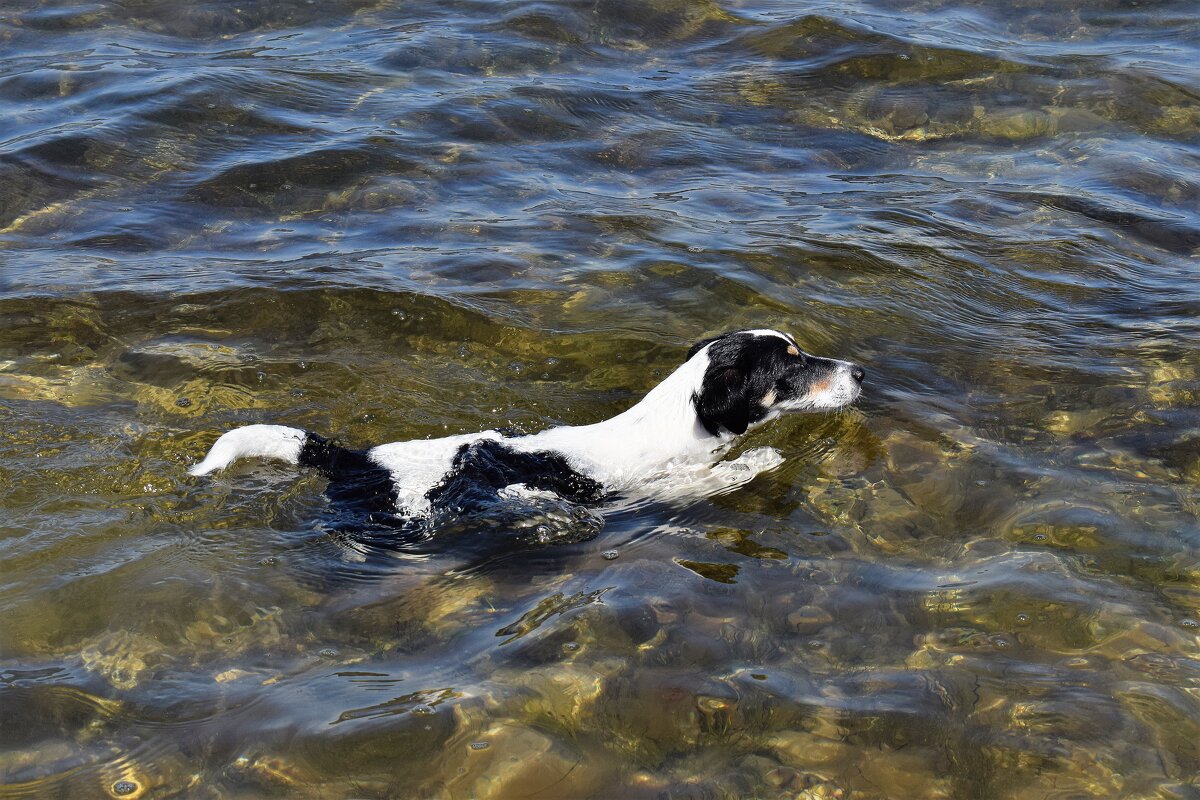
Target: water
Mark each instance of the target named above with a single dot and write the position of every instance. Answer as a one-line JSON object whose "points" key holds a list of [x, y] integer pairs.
{"points": [[383, 221]]}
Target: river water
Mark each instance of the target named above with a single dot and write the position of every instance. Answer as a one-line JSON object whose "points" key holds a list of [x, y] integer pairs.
{"points": [[383, 220]]}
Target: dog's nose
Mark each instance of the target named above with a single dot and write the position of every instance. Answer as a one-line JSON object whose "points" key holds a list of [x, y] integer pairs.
{"points": [[858, 373]]}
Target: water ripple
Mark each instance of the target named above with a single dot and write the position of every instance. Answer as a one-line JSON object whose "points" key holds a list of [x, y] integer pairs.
{"points": [[386, 221]]}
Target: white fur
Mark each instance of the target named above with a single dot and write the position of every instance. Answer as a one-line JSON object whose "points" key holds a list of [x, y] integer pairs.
{"points": [[418, 465], [842, 390], [658, 434], [776, 334], [252, 441]]}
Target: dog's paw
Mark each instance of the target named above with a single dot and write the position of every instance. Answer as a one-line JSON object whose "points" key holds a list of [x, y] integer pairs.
{"points": [[759, 459], [743, 469]]}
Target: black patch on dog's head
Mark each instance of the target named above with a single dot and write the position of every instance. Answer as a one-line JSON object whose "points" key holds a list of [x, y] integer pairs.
{"points": [[744, 369], [734, 376]]}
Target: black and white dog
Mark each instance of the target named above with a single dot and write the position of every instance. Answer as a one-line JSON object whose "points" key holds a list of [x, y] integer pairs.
{"points": [[677, 435]]}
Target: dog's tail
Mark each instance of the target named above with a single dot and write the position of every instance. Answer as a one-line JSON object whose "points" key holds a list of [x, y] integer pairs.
{"points": [[253, 441], [280, 442]]}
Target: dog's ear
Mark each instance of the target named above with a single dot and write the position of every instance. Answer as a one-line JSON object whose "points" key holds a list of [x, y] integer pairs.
{"points": [[724, 401], [700, 345]]}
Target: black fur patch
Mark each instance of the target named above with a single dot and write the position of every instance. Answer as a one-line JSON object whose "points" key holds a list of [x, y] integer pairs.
{"points": [[483, 468], [356, 483]]}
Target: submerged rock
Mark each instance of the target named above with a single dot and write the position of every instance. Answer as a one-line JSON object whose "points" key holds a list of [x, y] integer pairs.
{"points": [[274, 773], [122, 658], [508, 760]]}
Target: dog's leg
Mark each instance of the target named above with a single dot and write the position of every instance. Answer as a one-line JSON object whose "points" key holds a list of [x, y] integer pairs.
{"points": [[746, 467], [725, 476]]}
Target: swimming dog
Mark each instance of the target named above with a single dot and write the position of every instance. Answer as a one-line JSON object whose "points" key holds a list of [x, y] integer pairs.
{"points": [[685, 425]]}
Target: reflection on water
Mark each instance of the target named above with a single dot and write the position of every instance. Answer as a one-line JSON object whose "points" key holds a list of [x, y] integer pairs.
{"points": [[384, 221]]}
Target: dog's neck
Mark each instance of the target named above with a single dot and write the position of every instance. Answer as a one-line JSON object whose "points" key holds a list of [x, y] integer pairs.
{"points": [[662, 431]]}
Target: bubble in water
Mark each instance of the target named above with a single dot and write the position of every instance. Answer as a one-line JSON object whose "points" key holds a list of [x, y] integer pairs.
{"points": [[571, 647], [609, 555], [1023, 618], [183, 402], [122, 788], [1188, 622], [543, 533], [329, 652], [480, 745]]}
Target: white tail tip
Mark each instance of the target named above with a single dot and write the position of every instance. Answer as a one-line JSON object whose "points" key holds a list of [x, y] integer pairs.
{"points": [[253, 441]]}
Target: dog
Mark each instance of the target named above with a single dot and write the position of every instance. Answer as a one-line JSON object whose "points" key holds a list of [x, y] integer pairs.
{"points": [[685, 426]]}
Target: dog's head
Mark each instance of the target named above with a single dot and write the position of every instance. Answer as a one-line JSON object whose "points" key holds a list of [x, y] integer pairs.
{"points": [[752, 376]]}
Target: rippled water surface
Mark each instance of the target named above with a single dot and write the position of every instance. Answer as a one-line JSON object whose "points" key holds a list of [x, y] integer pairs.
{"points": [[384, 220]]}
